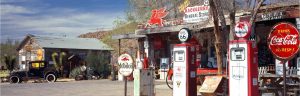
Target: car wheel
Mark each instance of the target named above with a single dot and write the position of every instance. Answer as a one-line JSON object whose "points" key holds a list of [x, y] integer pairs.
{"points": [[50, 77], [14, 79]]}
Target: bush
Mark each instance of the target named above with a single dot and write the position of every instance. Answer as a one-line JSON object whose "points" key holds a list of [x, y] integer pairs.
{"points": [[76, 71], [99, 61]]}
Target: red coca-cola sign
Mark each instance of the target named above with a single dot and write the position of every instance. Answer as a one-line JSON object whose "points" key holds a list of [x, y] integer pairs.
{"points": [[284, 41]]}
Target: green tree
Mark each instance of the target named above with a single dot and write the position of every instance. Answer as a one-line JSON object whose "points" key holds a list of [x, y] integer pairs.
{"points": [[8, 51], [10, 62]]}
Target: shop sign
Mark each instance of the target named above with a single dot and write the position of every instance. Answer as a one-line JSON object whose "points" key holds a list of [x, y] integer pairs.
{"points": [[125, 64], [272, 15], [184, 35], [156, 16], [242, 30], [284, 41], [196, 14], [184, 5]]}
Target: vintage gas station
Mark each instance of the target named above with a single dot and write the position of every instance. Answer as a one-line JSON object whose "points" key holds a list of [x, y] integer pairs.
{"points": [[183, 52]]}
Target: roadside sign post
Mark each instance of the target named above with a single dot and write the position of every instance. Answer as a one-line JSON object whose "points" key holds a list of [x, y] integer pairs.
{"points": [[125, 62], [283, 41]]}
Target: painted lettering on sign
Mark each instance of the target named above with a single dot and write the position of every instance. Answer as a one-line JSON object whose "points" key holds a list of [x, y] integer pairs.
{"points": [[125, 65], [272, 16], [287, 40], [196, 14], [284, 41]]}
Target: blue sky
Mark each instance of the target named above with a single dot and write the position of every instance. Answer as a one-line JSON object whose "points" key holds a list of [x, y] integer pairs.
{"points": [[58, 17]]}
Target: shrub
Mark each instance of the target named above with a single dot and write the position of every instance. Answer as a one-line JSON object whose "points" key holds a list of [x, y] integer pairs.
{"points": [[99, 61]]}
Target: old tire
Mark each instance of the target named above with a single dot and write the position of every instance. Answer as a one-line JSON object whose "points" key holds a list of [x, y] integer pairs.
{"points": [[50, 78], [14, 79]]}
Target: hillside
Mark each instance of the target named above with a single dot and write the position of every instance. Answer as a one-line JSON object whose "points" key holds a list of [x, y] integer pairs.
{"points": [[98, 34], [127, 45]]}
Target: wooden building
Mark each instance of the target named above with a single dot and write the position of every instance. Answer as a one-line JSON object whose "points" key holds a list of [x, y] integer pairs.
{"points": [[69, 52], [156, 42]]}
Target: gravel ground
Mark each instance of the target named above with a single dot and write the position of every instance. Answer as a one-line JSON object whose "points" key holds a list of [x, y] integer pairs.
{"points": [[77, 88]]}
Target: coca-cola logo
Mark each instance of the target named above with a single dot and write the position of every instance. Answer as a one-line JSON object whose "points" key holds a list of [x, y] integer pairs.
{"points": [[287, 40], [284, 41]]}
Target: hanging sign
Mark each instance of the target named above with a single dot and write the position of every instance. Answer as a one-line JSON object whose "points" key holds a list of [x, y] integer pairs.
{"points": [[126, 64], [242, 30], [184, 34], [196, 14], [272, 16], [284, 41]]}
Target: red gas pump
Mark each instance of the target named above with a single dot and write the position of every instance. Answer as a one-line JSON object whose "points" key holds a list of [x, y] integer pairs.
{"points": [[243, 63], [198, 47], [184, 68]]}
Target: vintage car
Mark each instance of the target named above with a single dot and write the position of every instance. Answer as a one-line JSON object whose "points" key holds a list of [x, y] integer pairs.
{"points": [[35, 70]]}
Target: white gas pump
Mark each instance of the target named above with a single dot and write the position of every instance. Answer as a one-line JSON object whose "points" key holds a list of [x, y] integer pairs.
{"points": [[184, 67], [243, 64]]}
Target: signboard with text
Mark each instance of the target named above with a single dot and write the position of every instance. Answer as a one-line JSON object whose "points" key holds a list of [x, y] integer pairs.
{"points": [[196, 14], [126, 64], [284, 41]]}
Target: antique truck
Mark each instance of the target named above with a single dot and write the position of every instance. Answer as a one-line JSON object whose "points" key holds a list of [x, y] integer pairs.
{"points": [[35, 70]]}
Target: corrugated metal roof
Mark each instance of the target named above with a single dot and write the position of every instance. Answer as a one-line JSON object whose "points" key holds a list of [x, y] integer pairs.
{"points": [[71, 43]]}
